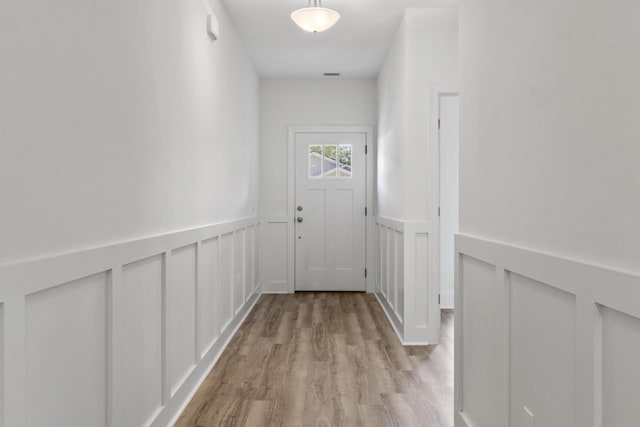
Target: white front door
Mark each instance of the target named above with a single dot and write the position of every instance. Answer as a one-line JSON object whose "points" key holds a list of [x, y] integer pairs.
{"points": [[330, 211]]}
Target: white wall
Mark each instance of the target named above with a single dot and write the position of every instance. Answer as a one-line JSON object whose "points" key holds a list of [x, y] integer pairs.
{"points": [[121, 121], [550, 129], [291, 102], [549, 163], [392, 92], [422, 57], [422, 60]]}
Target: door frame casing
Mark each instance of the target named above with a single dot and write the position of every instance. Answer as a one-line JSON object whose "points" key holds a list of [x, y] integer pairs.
{"points": [[370, 257], [436, 92]]}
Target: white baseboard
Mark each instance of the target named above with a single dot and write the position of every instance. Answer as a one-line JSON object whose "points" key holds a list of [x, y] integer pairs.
{"points": [[395, 323]]}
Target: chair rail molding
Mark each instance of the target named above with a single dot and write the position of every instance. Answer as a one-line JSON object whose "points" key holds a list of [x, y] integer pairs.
{"points": [[131, 329]]}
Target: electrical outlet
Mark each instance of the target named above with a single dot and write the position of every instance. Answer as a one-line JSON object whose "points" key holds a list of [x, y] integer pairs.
{"points": [[528, 418]]}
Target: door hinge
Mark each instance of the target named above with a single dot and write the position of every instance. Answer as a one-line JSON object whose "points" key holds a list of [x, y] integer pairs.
{"points": [[438, 210], [438, 123], [366, 211], [438, 299], [366, 149], [365, 273]]}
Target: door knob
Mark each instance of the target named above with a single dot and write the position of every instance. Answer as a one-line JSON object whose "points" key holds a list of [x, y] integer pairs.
{"points": [[299, 219], [299, 208]]}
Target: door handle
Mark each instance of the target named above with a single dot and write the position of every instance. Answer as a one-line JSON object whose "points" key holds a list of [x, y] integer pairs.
{"points": [[299, 219]]}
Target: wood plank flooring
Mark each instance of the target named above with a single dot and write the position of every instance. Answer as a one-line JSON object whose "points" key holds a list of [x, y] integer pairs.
{"points": [[325, 359]]}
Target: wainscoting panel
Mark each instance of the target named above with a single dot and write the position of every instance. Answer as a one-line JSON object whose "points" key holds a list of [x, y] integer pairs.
{"points": [[208, 328], [421, 266], [481, 320], [398, 278], [248, 265], [534, 330], [122, 335], [390, 261], [384, 262], [225, 290], [406, 284], [276, 248], [140, 329], [620, 373], [181, 314], [239, 243], [67, 354], [256, 256], [392, 268]]}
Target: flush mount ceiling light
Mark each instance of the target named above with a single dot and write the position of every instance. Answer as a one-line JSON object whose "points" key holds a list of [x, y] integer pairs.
{"points": [[315, 19]]}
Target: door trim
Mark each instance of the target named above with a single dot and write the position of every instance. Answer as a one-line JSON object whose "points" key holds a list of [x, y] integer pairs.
{"points": [[369, 197], [433, 185]]}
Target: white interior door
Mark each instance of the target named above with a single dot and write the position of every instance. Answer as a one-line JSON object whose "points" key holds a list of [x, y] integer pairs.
{"points": [[330, 211], [449, 159]]}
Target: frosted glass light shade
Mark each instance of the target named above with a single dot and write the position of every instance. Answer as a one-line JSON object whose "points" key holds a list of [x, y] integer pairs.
{"points": [[315, 19]]}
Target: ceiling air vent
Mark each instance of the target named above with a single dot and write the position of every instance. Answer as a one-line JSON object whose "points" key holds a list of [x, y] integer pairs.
{"points": [[332, 74]]}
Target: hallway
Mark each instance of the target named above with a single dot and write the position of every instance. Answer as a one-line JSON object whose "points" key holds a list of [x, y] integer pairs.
{"points": [[289, 213], [326, 359]]}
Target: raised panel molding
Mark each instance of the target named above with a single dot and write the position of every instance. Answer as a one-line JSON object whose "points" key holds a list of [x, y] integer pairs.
{"points": [[276, 250], [557, 335], [66, 343], [249, 263], [405, 281], [483, 317], [141, 371], [531, 330], [181, 314], [621, 377], [239, 247], [225, 284], [208, 328], [123, 334]]}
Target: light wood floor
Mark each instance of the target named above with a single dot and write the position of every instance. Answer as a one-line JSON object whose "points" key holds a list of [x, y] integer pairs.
{"points": [[325, 359]]}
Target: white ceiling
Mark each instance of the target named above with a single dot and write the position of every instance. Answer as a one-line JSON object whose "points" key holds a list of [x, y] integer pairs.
{"points": [[355, 47]]}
